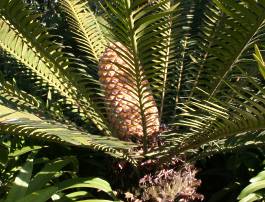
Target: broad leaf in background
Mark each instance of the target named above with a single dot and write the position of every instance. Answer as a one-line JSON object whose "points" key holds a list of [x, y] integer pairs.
{"points": [[21, 183], [255, 191], [42, 186]]}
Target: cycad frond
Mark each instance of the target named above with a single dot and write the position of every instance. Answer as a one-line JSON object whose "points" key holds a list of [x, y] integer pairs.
{"points": [[30, 126], [85, 28], [162, 57], [236, 143], [211, 121], [227, 40], [222, 53], [139, 26], [10, 92], [90, 41], [180, 66], [29, 43], [186, 63], [205, 33]]}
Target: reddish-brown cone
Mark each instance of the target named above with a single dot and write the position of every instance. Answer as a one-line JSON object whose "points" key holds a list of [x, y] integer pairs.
{"points": [[123, 103]]}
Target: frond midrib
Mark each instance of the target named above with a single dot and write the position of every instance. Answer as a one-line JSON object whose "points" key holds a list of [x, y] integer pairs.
{"points": [[166, 64], [138, 79]]}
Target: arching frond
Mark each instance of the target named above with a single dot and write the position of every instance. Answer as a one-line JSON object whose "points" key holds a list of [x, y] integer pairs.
{"points": [[29, 43], [181, 68], [210, 24], [140, 26], [162, 54], [236, 143], [210, 121], [222, 54], [228, 34], [10, 92], [85, 28], [30, 126], [90, 42]]}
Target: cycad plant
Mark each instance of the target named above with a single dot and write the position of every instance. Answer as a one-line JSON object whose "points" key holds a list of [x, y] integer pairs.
{"points": [[137, 78]]}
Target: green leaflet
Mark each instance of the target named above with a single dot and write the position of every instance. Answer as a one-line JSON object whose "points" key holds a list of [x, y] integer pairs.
{"points": [[40, 195], [24, 150], [260, 61], [21, 183]]}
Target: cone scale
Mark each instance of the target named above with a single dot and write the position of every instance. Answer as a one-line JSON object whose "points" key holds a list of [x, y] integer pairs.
{"points": [[122, 102]]}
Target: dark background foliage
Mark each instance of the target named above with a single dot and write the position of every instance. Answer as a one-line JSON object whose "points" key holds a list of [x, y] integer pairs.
{"points": [[225, 175]]}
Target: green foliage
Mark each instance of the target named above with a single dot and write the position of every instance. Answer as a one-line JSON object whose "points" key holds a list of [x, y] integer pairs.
{"points": [[87, 32], [227, 174], [29, 125], [45, 62], [260, 61], [195, 55], [55, 179], [255, 190]]}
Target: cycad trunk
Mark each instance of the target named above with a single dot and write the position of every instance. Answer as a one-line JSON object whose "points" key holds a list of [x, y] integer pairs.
{"points": [[123, 103]]}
